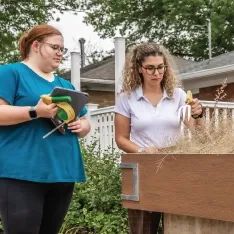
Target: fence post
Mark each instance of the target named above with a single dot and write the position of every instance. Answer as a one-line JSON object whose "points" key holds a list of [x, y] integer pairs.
{"points": [[75, 70], [119, 62], [91, 107]]}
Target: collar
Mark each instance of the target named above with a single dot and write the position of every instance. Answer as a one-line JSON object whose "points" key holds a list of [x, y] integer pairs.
{"points": [[139, 93]]}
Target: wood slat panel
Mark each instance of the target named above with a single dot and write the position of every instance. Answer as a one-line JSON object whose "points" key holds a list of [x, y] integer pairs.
{"points": [[190, 185]]}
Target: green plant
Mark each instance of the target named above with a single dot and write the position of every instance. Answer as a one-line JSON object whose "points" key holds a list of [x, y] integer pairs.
{"points": [[96, 204]]}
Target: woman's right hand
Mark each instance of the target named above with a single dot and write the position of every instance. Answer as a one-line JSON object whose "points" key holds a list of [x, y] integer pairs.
{"points": [[46, 111]]}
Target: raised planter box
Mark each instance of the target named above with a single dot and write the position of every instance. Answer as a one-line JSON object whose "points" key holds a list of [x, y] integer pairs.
{"points": [[195, 192]]}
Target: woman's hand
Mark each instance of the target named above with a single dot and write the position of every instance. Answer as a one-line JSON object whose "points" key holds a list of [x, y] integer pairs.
{"points": [[80, 126], [196, 107], [151, 150], [46, 110], [196, 110], [75, 126]]}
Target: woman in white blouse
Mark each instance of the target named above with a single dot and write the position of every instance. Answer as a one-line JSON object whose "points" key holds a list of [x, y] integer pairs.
{"points": [[146, 114]]}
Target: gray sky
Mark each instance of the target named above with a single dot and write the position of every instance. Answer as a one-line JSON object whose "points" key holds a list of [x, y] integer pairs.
{"points": [[72, 28]]}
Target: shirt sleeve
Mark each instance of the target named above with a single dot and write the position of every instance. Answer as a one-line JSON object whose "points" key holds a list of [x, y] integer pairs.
{"points": [[122, 105], [83, 112], [8, 84]]}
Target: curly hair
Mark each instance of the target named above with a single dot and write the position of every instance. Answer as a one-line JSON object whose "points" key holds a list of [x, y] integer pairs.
{"points": [[131, 76]]}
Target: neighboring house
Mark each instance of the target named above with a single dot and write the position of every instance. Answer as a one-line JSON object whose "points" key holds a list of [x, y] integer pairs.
{"points": [[202, 78], [205, 77], [98, 80]]}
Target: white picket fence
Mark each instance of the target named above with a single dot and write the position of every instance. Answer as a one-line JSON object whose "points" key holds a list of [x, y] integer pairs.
{"points": [[102, 121]]}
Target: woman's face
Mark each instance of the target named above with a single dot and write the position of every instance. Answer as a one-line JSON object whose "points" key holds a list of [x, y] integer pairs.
{"points": [[51, 51], [152, 69]]}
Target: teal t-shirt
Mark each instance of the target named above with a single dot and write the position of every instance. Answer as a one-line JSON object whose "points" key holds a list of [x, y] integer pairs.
{"points": [[24, 154]]}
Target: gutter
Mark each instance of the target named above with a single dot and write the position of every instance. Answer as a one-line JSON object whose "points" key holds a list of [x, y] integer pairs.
{"points": [[97, 81], [206, 72], [182, 77]]}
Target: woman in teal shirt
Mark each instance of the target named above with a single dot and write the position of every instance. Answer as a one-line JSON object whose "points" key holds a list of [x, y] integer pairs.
{"points": [[37, 175]]}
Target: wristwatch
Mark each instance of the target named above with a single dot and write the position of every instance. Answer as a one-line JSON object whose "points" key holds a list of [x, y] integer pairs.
{"points": [[32, 113], [198, 116]]}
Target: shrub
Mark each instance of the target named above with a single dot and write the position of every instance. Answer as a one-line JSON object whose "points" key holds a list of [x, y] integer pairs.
{"points": [[96, 205]]}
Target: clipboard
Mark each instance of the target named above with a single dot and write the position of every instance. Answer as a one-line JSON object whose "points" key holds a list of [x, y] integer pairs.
{"points": [[79, 98]]}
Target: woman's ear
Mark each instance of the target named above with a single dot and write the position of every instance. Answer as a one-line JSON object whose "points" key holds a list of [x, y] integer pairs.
{"points": [[139, 69], [35, 46]]}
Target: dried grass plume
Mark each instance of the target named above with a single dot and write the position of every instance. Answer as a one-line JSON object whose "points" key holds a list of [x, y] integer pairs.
{"points": [[217, 135]]}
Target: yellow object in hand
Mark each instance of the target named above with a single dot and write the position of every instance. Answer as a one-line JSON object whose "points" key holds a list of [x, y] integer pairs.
{"points": [[46, 99], [189, 97], [65, 112]]}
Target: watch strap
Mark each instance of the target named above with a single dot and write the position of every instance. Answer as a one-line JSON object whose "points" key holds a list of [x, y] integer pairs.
{"points": [[198, 116]]}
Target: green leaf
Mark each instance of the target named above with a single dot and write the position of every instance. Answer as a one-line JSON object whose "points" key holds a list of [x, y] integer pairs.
{"points": [[180, 25], [18, 16]]}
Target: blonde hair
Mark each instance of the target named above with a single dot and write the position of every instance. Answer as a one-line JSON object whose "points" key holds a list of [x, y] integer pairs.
{"points": [[131, 76]]}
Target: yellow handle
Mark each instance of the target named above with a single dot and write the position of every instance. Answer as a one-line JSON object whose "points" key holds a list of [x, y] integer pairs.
{"points": [[64, 106], [46, 99], [189, 97]]}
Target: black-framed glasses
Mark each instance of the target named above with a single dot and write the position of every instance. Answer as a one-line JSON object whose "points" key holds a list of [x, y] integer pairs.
{"points": [[57, 48], [151, 70]]}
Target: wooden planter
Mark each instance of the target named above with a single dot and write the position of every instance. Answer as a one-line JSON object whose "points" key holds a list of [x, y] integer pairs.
{"points": [[195, 192]]}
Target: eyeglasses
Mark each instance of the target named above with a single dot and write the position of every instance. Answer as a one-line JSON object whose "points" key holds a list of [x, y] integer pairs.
{"points": [[151, 70], [57, 48]]}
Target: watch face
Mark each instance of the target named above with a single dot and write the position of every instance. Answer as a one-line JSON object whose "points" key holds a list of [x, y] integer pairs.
{"points": [[33, 113]]}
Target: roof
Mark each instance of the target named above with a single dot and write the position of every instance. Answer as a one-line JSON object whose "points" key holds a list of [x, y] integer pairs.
{"points": [[215, 62], [105, 69]]}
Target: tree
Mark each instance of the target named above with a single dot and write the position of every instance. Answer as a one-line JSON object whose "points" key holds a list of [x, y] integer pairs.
{"points": [[93, 54], [180, 25], [18, 16]]}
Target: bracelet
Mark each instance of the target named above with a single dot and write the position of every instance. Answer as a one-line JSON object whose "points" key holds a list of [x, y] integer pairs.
{"points": [[198, 116]]}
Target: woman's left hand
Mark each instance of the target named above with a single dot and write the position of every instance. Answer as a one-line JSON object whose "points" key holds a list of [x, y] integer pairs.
{"points": [[196, 107], [75, 126]]}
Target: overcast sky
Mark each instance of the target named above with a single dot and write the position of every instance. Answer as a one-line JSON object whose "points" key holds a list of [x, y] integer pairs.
{"points": [[72, 28]]}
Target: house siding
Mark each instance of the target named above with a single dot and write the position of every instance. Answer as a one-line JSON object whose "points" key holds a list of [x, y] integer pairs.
{"points": [[103, 98], [209, 93]]}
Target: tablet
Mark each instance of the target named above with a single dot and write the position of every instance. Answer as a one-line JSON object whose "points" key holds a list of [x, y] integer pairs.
{"points": [[79, 99]]}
